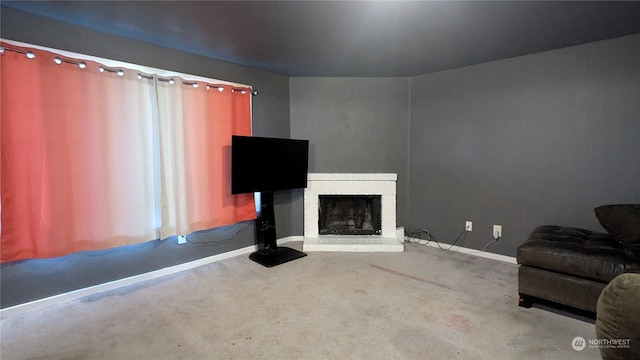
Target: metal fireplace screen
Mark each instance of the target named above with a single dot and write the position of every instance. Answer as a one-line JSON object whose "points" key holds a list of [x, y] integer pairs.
{"points": [[350, 215]]}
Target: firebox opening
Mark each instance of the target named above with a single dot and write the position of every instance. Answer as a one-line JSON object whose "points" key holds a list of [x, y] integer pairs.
{"points": [[350, 215]]}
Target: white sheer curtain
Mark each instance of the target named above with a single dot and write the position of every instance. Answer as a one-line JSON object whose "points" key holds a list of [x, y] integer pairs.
{"points": [[173, 191]]}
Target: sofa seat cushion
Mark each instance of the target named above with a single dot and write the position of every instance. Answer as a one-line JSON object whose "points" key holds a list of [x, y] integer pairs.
{"points": [[578, 252]]}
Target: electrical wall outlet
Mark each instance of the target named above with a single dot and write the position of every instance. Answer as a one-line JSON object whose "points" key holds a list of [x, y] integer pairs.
{"points": [[182, 239], [468, 226], [497, 231]]}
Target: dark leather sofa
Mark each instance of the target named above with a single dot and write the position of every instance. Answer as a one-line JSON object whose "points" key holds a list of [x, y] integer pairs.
{"points": [[571, 266]]}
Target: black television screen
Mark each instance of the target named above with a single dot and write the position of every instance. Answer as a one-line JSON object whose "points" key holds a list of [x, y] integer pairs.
{"points": [[268, 164]]}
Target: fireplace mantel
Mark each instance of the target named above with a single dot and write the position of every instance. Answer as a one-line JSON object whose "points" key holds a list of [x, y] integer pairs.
{"points": [[382, 184]]}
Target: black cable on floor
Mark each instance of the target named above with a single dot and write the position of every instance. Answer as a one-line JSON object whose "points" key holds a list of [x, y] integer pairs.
{"points": [[414, 237]]}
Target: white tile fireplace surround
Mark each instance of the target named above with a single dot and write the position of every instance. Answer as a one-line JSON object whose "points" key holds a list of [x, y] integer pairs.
{"points": [[383, 185]]}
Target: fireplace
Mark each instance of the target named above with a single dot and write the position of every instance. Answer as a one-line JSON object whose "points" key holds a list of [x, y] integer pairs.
{"points": [[349, 215], [351, 212]]}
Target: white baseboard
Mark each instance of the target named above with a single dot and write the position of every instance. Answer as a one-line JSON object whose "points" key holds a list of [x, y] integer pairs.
{"points": [[92, 290], [475, 252], [291, 239]]}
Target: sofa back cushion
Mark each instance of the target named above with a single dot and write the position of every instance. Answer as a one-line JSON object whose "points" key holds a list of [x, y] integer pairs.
{"points": [[622, 221]]}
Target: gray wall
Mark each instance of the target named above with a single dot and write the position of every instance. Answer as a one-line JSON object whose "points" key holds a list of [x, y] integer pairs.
{"points": [[354, 125], [28, 280], [532, 140]]}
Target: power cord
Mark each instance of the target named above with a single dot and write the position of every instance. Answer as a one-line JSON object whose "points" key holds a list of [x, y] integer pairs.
{"points": [[414, 237], [490, 243]]}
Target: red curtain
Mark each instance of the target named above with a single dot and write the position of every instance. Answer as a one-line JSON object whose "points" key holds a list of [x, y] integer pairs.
{"points": [[206, 113], [80, 157]]}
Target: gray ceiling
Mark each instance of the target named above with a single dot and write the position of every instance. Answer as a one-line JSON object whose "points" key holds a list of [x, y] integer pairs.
{"points": [[351, 38]]}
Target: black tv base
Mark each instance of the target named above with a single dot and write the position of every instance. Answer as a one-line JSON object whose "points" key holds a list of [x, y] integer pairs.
{"points": [[275, 257], [269, 253]]}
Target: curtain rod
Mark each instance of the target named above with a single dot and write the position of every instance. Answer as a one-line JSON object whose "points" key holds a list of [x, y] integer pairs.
{"points": [[120, 72], [115, 63], [28, 54]]}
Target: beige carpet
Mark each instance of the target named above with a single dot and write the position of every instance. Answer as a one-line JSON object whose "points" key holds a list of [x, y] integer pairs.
{"points": [[424, 303]]}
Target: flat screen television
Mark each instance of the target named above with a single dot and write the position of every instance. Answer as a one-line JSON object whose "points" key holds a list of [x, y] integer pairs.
{"points": [[261, 164]]}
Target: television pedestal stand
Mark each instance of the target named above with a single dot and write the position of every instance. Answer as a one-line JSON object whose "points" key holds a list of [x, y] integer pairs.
{"points": [[269, 254]]}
